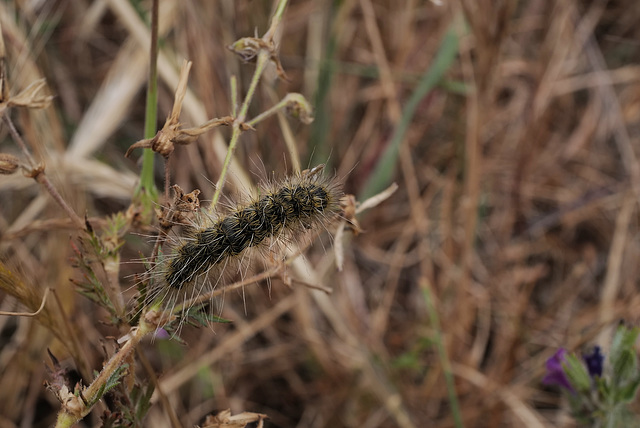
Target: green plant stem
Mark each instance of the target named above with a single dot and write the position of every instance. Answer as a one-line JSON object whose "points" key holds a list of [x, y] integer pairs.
{"points": [[65, 419], [117, 360], [263, 58], [442, 353], [238, 123], [147, 183], [275, 21], [265, 114]]}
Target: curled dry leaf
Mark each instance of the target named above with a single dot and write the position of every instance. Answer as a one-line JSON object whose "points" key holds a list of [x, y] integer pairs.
{"points": [[377, 199], [226, 420], [188, 202], [57, 374], [161, 144], [71, 402], [182, 203], [351, 207], [31, 97]]}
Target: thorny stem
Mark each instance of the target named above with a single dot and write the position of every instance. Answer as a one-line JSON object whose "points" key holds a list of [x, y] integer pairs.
{"points": [[261, 63], [40, 176]]}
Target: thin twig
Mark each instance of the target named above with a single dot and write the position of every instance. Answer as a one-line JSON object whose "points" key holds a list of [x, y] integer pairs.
{"points": [[38, 174], [318, 287]]}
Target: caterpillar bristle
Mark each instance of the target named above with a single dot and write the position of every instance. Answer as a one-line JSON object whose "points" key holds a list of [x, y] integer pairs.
{"points": [[283, 212]]}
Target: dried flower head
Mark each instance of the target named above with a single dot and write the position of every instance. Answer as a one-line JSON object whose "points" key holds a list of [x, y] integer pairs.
{"points": [[31, 97], [248, 48], [8, 163], [165, 140], [298, 107]]}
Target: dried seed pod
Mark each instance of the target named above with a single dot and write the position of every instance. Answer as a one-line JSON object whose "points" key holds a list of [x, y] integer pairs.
{"points": [[8, 163], [298, 107]]}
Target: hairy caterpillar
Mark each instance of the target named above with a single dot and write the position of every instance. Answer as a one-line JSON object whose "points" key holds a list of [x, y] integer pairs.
{"points": [[283, 211]]}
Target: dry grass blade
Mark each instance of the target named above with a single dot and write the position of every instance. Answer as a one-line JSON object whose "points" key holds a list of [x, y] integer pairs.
{"points": [[511, 132], [29, 314]]}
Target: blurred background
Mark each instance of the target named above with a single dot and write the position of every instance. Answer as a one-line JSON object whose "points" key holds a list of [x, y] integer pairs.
{"points": [[510, 127]]}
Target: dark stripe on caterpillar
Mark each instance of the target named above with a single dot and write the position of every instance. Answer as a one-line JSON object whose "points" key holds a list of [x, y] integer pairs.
{"points": [[298, 203]]}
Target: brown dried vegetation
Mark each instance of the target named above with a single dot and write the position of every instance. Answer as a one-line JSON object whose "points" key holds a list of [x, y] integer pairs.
{"points": [[517, 207]]}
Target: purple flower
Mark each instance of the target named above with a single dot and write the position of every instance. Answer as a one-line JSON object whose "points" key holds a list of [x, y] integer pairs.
{"points": [[594, 361], [555, 373], [162, 334]]}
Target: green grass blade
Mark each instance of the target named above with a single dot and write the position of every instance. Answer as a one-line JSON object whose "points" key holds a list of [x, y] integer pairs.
{"points": [[318, 146], [147, 188], [384, 169], [444, 358]]}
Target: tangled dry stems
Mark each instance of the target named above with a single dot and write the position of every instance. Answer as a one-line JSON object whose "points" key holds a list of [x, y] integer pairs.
{"points": [[516, 204]]}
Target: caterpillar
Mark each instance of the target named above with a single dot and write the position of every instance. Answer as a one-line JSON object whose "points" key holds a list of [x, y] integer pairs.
{"points": [[283, 211]]}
